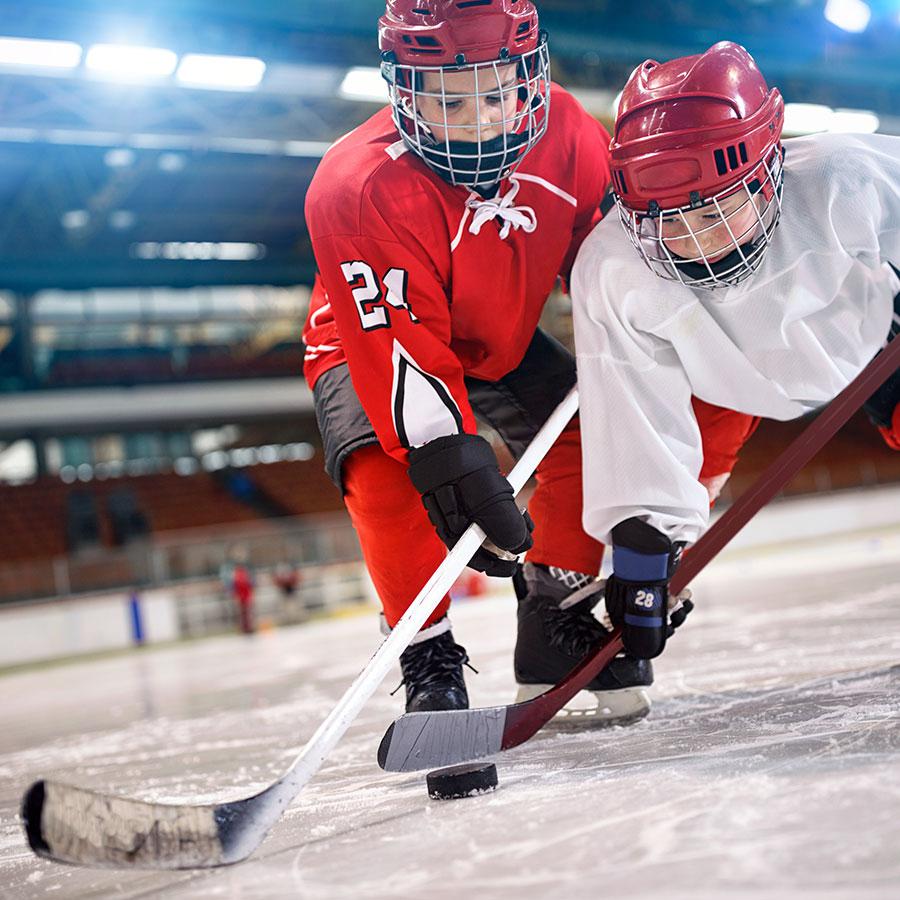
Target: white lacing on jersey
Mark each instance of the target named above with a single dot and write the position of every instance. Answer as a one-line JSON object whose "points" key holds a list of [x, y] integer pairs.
{"points": [[503, 208], [462, 222], [484, 210]]}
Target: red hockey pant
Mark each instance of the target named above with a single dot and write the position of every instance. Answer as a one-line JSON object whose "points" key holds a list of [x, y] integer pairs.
{"points": [[402, 550]]}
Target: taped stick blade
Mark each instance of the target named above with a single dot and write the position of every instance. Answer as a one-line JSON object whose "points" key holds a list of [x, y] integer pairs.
{"points": [[80, 827]]}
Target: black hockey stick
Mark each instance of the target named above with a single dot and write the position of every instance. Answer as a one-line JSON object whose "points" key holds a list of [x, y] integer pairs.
{"points": [[74, 825], [429, 740]]}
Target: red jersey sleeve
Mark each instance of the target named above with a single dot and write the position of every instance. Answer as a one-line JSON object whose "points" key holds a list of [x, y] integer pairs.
{"points": [[393, 318], [592, 163], [723, 432]]}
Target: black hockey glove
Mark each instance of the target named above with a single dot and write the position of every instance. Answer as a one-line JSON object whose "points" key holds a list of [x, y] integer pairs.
{"points": [[637, 593], [460, 483]]}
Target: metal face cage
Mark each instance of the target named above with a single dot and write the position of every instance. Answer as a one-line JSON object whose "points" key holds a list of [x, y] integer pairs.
{"points": [[715, 242], [476, 137]]}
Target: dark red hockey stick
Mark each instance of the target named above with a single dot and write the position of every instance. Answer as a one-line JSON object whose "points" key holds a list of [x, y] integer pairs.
{"points": [[428, 740], [524, 719]]}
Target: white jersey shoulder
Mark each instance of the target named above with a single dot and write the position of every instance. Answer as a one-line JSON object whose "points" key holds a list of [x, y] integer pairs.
{"points": [[782, 342]]}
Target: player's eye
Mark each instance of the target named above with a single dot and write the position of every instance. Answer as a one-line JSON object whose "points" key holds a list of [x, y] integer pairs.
{"points": [[451, 105]]}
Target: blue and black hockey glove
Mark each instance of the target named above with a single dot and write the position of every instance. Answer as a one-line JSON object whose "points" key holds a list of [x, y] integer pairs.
{"points": [[637, 593]]}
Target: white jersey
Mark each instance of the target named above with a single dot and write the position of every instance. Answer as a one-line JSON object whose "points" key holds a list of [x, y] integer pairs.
{"points": [[784, 341]]}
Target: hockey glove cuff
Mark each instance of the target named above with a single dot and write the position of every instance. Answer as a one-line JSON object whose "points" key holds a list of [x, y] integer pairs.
{"points": [[637, 593]]}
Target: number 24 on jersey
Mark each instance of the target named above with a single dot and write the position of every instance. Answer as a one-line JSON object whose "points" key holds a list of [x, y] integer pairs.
{"points": [[374, 298]]}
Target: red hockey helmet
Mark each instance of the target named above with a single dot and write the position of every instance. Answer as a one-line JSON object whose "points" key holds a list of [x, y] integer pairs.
{"points": [[456, 32], [689, 134], [499, 45]]}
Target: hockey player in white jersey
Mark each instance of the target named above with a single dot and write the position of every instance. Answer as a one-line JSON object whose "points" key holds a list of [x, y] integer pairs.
{"points": [[754, 273]]}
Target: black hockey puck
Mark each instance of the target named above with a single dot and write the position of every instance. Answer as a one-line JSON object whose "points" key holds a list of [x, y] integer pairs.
{"points": [[456, 782]]}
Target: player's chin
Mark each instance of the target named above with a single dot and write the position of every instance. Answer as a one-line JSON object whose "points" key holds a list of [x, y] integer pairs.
{"points": [[688, 253], [473, 136], [718, 256]]}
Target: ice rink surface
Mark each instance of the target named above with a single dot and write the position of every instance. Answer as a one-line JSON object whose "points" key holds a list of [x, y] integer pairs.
{"points": [[769, 767]]}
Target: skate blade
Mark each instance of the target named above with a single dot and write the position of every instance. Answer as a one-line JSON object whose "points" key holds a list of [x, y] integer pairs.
{"points": [[594, 709]]}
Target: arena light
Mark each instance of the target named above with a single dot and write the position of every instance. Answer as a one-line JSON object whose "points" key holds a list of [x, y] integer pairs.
{"points": [[171, 162], [119, 158], [364, 83], [39, 54], [122, 219], [75, 219], [124, 61], [306, 149], [854, 121], [806, 118], [222, 72], [229, 251], [809, 118], [848, 15]]}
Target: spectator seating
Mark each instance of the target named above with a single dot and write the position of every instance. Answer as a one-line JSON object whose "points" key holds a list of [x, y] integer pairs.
{"points": [[856, 456], [299, 487], [155, 365], [33, 516]]}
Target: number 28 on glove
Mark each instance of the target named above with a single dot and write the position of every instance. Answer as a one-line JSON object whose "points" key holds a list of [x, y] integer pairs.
{"points": [[637, 593]]}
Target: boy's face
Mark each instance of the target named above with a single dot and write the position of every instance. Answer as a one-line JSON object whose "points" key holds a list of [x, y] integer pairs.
{"points": [[469, 105], [712, 231]]}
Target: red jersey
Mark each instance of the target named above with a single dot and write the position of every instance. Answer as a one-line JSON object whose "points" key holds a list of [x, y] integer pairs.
{"points": [[422, 283]]}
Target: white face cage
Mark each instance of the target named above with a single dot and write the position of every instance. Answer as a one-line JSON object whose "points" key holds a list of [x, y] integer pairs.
{"points": [[716, 242], [479, 137]]}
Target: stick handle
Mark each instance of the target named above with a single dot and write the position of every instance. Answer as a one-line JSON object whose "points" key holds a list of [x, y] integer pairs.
{"points": [[332, 729]]}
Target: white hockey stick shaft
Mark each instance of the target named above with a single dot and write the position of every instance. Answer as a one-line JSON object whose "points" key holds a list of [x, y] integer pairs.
{"points": [[338, 721]]}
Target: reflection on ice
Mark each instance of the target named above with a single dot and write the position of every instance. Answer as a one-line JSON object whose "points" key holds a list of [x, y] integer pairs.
{"points": [[769, 767]]}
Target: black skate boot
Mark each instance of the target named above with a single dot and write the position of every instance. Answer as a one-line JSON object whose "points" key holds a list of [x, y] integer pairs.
{"points": [[556, 630], [433, 672]]}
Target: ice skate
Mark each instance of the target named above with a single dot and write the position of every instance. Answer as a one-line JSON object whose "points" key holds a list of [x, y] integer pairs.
{"points": [[556, 629], [432, 670]]}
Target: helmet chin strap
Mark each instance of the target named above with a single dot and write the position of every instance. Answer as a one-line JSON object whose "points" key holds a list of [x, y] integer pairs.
{"points": [[479, 165], [698, 272]]}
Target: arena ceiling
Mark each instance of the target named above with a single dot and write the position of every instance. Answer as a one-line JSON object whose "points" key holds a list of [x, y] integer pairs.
{"points": [[105, 183]]}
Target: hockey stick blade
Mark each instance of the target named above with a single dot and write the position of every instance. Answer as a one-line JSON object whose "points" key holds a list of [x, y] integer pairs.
{"points": [[429, 740], [74, 825]]}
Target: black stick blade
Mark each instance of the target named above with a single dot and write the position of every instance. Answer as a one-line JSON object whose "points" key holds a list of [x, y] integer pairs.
{"points": [[72, 825]]}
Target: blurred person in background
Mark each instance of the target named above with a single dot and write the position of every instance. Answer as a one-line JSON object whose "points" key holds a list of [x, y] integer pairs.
{"points": [[242, 589], [754, 273], [440, 226], [286, 578]]}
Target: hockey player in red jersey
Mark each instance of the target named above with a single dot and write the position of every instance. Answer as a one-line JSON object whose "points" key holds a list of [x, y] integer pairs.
{"points": [[781, 284], [440, 226]]}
